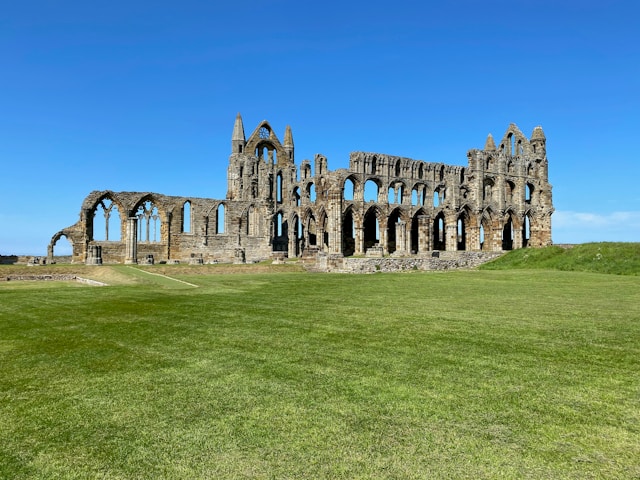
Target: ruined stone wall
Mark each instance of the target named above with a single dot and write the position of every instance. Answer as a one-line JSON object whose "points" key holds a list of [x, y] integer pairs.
{"points": [[499, 201]]}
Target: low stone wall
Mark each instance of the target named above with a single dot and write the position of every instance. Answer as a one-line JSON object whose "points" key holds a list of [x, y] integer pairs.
{"points": [[87, 281], [435, 261]]}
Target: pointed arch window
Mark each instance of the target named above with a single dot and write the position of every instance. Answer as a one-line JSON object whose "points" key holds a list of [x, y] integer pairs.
{"points": [[186, 217], [220, 219], [370, 191], [279, 187], [106, 221], [148, 223], [349, 189]]}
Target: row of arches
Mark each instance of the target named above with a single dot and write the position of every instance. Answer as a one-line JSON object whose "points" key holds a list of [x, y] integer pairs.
{"points": [[402, 232], [401, 168], [107, 224]]}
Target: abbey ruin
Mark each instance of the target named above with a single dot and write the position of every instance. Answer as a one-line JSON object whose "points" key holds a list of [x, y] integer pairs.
{"points": [[382, 205]]}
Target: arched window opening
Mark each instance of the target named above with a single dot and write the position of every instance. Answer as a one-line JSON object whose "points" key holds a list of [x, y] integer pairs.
{"points": [[348, 235], [415, 197], [371, 229], [393, 219], [420, 171], [186, 217], [370, 191], [296, 196], [349, 189], [487, 191], [507, 235], [279, 225], [509, 187], [415, 234], [275, 156], [512, 145], [391, 198], [62, 248], [436, 198], [106, 221], [481, 237], [311, 191], [461, 176], [439, 233], [148, 223], [461, 234], [220, 219], [312, 231], [374, 166], [528, 193], [398, 168], [441, 176], [519, 149], [526, 231], [279, 187]]}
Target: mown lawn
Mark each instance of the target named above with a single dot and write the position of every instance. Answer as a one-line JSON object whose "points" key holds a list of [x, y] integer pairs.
{"points": [[477, 374]]}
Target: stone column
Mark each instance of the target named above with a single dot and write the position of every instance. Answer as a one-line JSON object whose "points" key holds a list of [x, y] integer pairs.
{"points": [[401, 238], [131, 242], [424, 234], [359, 250], [291, 249], [451, 235], [335, 221]]}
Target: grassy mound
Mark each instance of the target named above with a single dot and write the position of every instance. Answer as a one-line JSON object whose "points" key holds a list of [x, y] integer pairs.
{"points": [[605, 257]]}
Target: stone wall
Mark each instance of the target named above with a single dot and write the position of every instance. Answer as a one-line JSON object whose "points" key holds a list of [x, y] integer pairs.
{"points": [[500, 200], [434, 262]]}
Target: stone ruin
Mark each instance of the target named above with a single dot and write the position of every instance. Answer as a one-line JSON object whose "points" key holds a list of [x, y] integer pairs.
{"points": [[381, 206]]}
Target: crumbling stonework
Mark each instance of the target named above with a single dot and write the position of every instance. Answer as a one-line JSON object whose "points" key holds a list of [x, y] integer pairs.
{"points": [[381, 205]]}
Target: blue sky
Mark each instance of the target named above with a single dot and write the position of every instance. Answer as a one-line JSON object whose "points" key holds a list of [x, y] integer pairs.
{"points": [[142, 96]]}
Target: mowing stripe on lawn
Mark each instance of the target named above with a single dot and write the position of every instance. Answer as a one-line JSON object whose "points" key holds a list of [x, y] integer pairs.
{"points": [[164, 276]]}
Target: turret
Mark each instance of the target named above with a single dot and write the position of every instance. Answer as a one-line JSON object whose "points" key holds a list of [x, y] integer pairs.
{"points": [[288, 143], [490, 145], [538, 142], [238, 141]]}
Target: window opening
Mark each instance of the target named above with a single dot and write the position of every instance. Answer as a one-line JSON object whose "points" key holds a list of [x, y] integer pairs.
{"points": [[220, 220], [186, 217], [349, 189], [148, 222], [106, 221], [370, 191]]}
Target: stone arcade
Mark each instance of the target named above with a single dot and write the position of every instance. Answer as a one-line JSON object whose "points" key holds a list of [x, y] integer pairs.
{"points": [[380, 205]]}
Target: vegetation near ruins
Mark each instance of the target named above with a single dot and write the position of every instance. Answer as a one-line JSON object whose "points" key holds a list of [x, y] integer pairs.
{"points": [[520, 369]]}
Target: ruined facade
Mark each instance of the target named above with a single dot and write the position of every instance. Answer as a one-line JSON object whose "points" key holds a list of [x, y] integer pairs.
{"points": [[380, 205]]}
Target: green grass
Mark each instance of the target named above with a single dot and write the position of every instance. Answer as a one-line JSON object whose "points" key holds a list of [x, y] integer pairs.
{"points": [[477, 374], [605, 257]]}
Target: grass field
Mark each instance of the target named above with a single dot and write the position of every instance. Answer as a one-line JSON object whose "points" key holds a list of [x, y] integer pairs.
{"points": [[475, 374]]}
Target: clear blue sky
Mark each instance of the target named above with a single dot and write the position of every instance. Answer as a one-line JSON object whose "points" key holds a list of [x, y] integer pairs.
{"points": [[142, 96]]}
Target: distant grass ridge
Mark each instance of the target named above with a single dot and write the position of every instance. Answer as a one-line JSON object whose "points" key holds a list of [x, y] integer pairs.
{"points": [[604, 257]]}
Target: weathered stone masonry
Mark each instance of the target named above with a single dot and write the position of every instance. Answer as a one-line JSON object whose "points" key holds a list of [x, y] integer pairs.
{"points": [[380, 205]]}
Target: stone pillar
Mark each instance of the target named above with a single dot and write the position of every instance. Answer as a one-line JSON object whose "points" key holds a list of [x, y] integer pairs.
{"points": [[359, 250], [424, 234], [94, 256], [451, 235], [401, 238], [518, 238], [335, 221], [291, 248], [131, 242]]}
